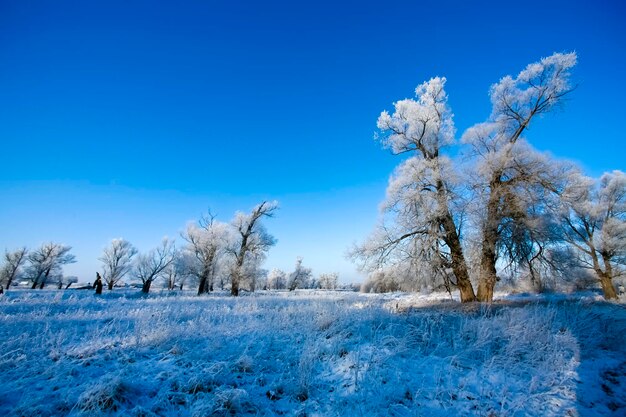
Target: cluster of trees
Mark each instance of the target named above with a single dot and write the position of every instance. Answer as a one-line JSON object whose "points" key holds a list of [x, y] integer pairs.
{"points": [[215, 255], [466, 214], [40, 266], [301, 278]]}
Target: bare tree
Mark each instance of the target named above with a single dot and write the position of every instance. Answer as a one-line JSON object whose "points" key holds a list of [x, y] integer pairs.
{"points": [[117, 261], [47, 262], [152, 265], [594, 222], [177, 273], [420, 227], [206, 243], [300, 277], [12, 267], [251, 242], [538, 89]]}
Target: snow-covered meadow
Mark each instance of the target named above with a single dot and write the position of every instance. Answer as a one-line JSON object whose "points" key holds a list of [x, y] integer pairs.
{"points": [[308, 353]]}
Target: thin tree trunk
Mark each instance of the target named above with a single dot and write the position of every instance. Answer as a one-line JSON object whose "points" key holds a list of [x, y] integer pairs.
{"points": [[34, 286], [110, 285], [146, 286]]}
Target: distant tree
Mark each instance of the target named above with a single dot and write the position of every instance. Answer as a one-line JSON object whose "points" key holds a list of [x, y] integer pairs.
{"points": [[257, 278], [380, 281], [152, 265], [179, 271], [117, 261], [276, 279], [62, 280], [11, 268], [505, 166], [207, 242], [300, 277], [250, 244], [47, 262], [594, 222], [328, 281], [422, 214]]}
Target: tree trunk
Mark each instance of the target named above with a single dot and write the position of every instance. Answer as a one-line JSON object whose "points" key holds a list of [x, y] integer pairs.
{"points": [[453, 240], [459, 266], [488, 274], [201, 285], [9, 282], [34, 286], [606, 278], [488, 277], [45, 279], [607, 287], [110, 285], [234, 287], [146, 287]]}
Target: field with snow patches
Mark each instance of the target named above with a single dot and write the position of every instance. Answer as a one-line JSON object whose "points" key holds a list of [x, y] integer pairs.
{"points": [[308, 353]]}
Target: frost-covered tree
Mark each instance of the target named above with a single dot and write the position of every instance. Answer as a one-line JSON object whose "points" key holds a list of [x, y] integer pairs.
{"points": [[117, 261], [207, 241], [276, 279], [300, 277], [250, 244], [46, 262], [11, 268], [594, 222], [152, 265], [420, 226], [328, 281], [381, 281], [505, 163], [179, 271]]}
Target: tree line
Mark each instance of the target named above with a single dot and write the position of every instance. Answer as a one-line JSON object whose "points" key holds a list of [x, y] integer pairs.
{"points": [[215, 255], [466, 214]]}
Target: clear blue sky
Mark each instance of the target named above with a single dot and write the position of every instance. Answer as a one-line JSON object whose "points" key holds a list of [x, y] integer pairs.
{"points": [[131, 118]]}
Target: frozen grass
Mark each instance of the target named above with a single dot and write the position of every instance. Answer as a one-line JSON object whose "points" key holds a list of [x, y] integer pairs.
{"points": [[314, 354]]}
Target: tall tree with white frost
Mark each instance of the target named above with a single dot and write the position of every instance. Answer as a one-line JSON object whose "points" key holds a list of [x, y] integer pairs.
{"points": [[117, 261], [538, 89], [207, 241], [152, 265], [594, 222], [251, 242], [421, 198], [47, 262], [12, 266]]}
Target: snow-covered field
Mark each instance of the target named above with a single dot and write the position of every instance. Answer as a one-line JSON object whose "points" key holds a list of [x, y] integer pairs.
{"points": [[308, 353]]}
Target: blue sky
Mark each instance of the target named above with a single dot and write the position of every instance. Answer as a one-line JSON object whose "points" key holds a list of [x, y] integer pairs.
{"points": [[131, 118]]}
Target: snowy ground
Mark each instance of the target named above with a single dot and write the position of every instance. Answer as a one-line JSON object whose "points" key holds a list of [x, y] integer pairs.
{"points": [[314, 354]]}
